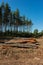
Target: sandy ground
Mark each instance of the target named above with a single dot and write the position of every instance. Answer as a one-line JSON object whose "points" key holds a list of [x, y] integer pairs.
{"points": [[21, 56]]}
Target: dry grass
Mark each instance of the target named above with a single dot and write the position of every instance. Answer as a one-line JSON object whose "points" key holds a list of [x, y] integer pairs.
{"points": [[21, 56]]}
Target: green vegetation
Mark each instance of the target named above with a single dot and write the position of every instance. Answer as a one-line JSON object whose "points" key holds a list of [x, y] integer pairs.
{"points": [[12, 21], [13, 24], [37, 34]]}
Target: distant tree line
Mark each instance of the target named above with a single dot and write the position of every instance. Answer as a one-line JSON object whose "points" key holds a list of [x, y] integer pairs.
{"points": [[37, 34], [12, 21], [13, 24]]}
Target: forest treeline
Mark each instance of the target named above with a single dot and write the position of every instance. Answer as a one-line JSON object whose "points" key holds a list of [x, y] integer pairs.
{"points": [[13, 24], [12, 20]]}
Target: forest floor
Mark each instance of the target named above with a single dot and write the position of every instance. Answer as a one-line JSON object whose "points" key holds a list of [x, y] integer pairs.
{"points": [[14, 54]]}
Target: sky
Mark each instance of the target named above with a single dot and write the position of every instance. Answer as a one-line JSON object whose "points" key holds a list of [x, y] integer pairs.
{"points": [[32, 9]]}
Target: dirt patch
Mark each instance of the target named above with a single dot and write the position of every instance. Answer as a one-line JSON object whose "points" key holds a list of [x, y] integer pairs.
{"points": [[21, 56]]}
